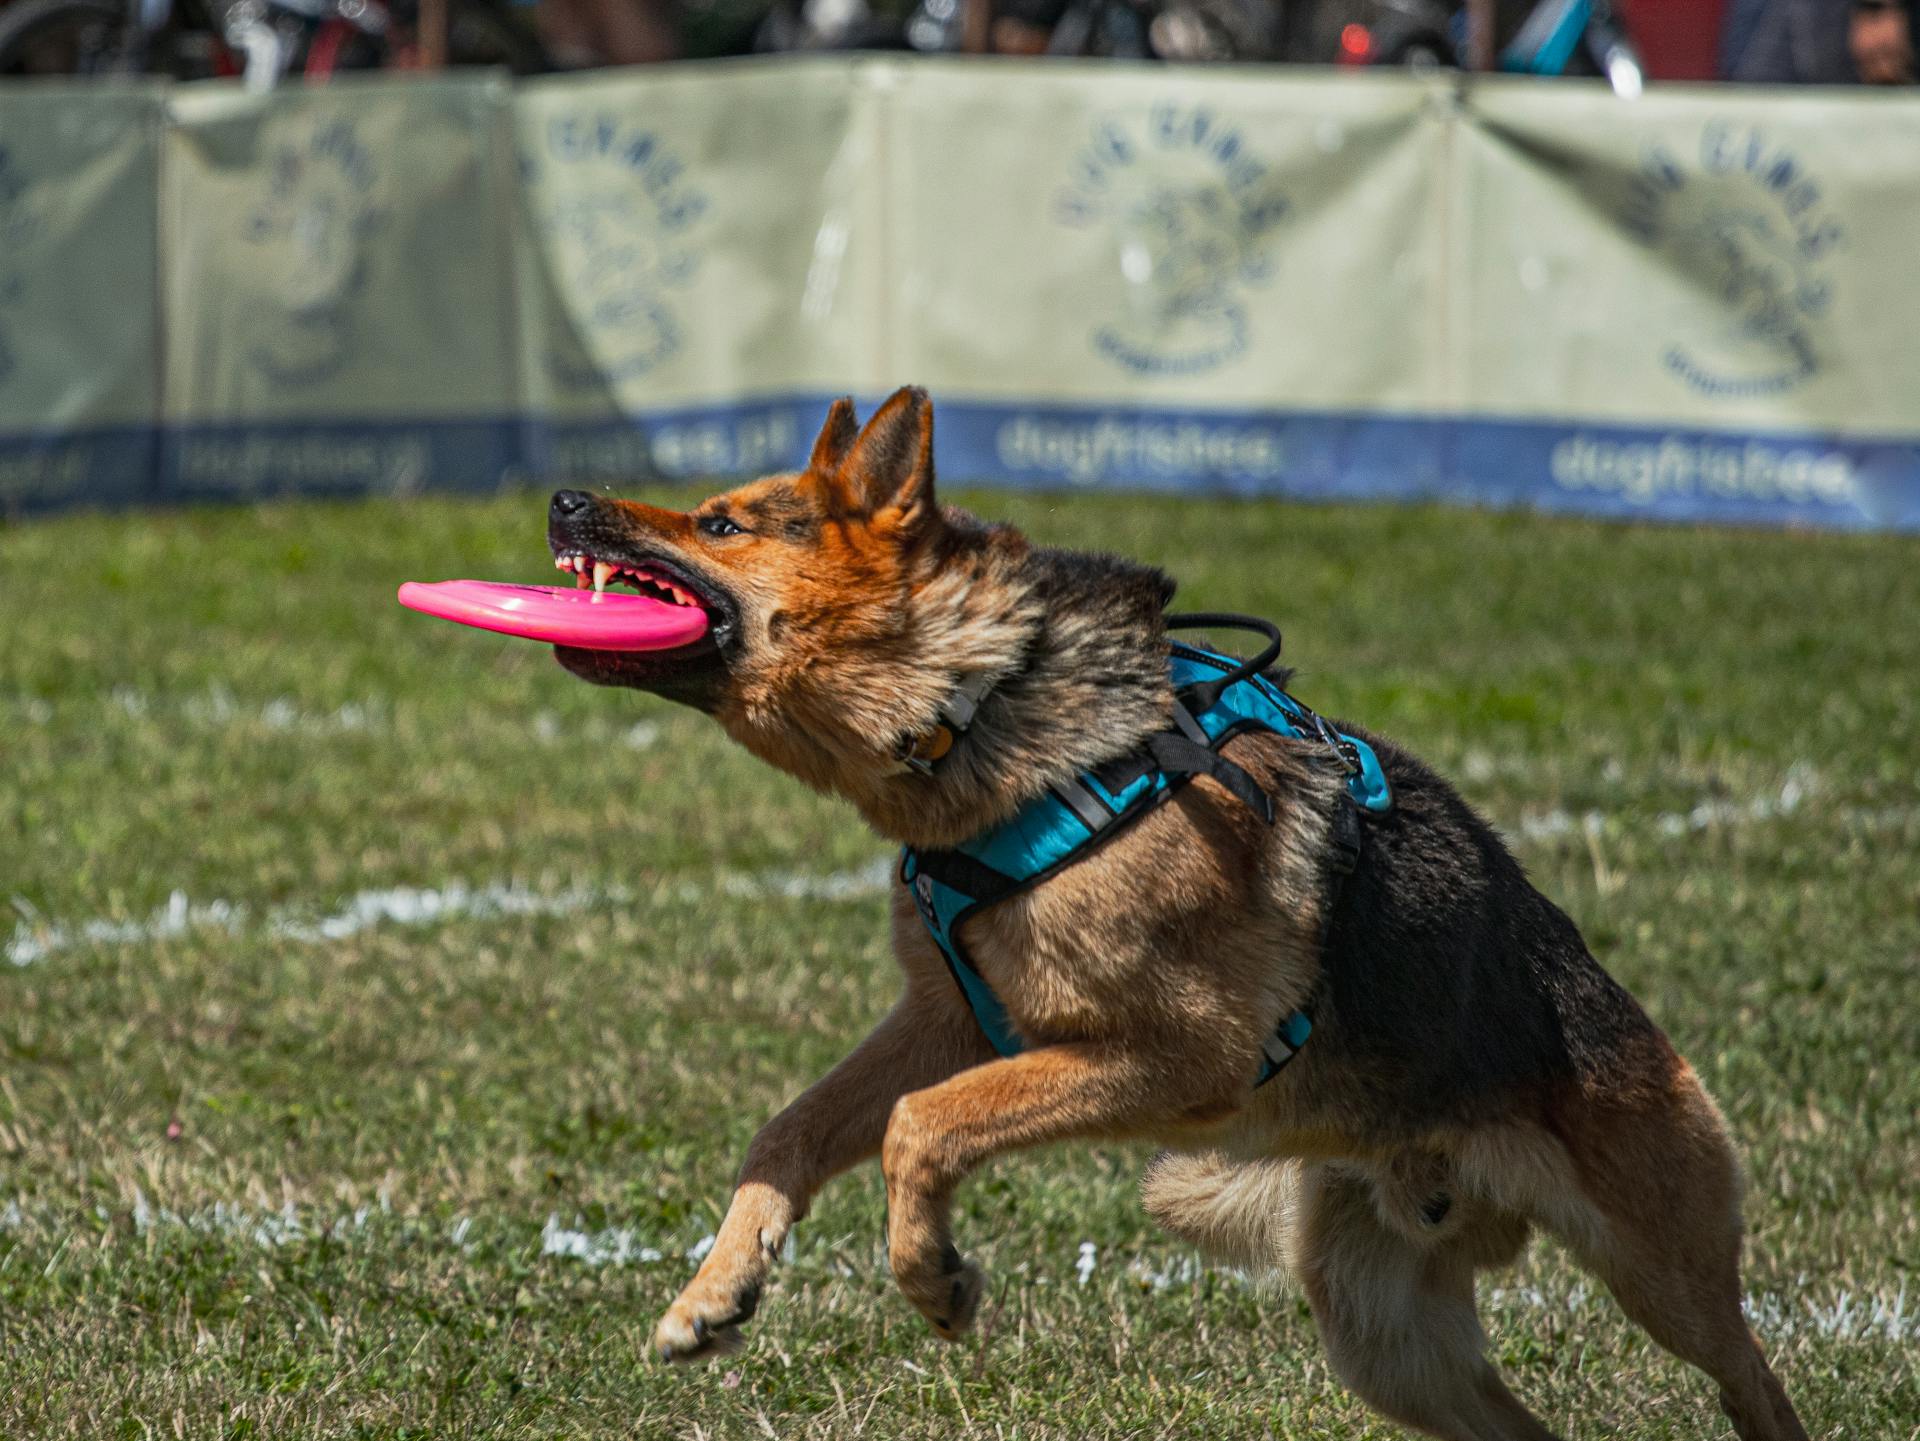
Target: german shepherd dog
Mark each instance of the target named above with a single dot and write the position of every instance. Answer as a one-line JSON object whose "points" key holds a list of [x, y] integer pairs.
{"points": [[1472, 1073]]}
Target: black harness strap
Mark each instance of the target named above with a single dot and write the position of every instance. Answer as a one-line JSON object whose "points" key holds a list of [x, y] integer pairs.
{"points": [[1204, 695], [1348, 838], [1176, 755], [967, 875], [1122, 771]]}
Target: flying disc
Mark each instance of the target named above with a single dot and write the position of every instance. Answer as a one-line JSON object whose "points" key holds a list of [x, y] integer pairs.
{"points": [[584, 619]]}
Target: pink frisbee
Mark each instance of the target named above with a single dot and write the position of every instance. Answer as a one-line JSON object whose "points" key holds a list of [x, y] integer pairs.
{"points": [[585, 619]]}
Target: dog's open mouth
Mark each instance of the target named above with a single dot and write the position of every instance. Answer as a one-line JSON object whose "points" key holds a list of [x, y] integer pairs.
{"points": [[686, 673], [650, 580]]}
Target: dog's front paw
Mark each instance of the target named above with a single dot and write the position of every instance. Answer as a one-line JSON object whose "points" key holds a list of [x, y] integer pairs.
{"points": [[702, 1324], [947, 1295]]}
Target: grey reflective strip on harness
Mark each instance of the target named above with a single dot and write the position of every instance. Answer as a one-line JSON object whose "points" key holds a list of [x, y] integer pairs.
{"points": [[964, 703], [1084, 804], [1189, 727]]}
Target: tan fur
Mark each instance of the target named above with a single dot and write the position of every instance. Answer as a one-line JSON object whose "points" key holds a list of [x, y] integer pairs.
{"points": [[1236, 1210], [1144, 1008]]}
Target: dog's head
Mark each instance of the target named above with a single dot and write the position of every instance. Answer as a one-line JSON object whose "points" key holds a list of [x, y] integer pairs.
{"points": [[815, 653]]}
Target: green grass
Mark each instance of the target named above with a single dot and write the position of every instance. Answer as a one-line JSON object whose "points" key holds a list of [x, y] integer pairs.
{"points": [[1703, 744]]}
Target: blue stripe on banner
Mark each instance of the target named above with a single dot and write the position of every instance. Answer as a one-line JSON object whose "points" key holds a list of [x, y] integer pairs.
{"points": [[1665, 473], [106, 466], [748, 437], [249, 461], [1680, 474], [1673, 473], [1221, 452]]}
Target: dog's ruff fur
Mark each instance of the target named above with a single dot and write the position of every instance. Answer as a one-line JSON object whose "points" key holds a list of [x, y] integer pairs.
{"points": [[1473, 1072]]}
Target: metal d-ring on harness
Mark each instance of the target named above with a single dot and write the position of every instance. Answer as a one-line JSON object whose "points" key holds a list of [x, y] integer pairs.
{"points": [[1216, 697]]}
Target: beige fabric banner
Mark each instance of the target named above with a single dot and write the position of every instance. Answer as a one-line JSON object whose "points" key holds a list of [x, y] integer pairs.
{"points": [[79, 336], [1146, 275], [1728, 276], [1130, 232], [1695, 305], [1710, 261], [710, 237], [338, 282]]}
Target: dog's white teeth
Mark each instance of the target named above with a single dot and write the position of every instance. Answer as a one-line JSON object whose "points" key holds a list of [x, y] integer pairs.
{"points": [[601, 570]]}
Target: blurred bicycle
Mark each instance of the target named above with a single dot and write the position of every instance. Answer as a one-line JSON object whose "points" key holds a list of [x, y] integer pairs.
{"points": [[1537, 37], [262, 41], [1553, 37]]}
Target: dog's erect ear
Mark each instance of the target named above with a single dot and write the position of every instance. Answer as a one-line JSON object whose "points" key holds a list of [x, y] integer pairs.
{"points": [[890, 467], [836, 438]]}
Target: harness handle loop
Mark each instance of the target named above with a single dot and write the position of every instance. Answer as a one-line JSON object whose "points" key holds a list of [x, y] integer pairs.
{"points": [[1205, 694]]}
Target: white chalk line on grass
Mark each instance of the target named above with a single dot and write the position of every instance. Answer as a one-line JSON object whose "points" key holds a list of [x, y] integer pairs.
{"points": [[1841, 1314], [218, 708], [1801, 785], [1801, 782], [621, 1246], [35, 937]]}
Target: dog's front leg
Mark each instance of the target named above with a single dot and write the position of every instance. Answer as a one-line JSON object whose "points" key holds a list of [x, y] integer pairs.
{"points": [[834, 1125], [938, 1135]]}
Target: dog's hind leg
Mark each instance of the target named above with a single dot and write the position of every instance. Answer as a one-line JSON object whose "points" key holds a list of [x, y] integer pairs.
{"points": [[1660, 1173], [1397, 1314]]}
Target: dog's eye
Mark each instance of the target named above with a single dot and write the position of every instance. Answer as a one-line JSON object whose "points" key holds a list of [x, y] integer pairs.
{"points": [[719, 526]]}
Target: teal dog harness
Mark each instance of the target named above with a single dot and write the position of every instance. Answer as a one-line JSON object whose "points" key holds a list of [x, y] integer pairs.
{"points": [[1216, 697]]}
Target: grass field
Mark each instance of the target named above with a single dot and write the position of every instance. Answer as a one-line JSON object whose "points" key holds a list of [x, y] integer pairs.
{"points": [[388, 1012]]}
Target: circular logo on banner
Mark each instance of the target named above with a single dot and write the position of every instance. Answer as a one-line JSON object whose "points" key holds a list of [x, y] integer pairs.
{"points": [[618, 215], [1190, 213], [311, 235], [1749, 227], [19, 225]]}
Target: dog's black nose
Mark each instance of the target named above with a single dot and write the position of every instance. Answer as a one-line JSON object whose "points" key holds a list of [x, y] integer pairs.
{"points": [[569, 503]]}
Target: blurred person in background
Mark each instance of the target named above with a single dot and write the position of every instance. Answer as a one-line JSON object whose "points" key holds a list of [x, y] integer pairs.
{"points": [[1880, 37], [1819, 42], [580, 33]]}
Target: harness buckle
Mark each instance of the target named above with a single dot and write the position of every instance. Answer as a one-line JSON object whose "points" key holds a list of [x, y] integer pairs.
{"points": [[1344, 750]]}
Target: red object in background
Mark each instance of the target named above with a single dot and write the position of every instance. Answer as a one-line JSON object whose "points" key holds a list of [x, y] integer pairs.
{"points": [[1678, 39], [1356, 45], [323, 54]]}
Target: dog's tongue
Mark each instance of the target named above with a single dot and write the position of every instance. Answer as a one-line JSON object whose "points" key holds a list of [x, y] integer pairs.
{"points": [[582, 619]]}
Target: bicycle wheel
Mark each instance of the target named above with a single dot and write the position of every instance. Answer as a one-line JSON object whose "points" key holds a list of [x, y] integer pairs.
{"points": [[66, 37]]}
